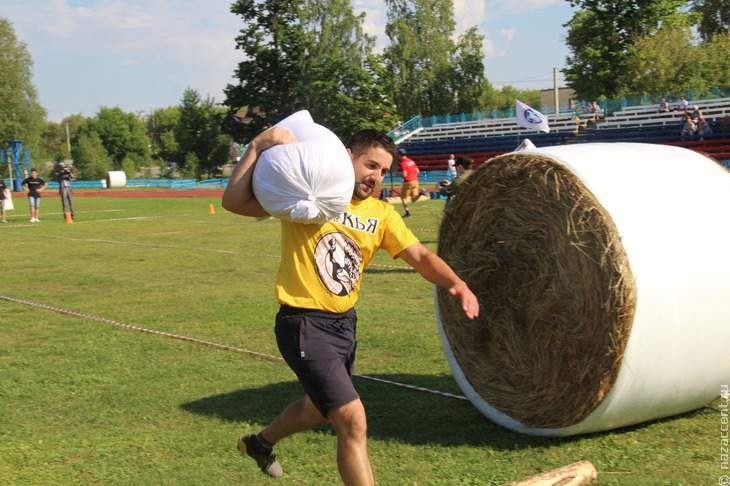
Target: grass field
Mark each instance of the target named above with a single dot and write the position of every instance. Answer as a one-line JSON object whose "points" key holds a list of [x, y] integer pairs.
{"points": [[89, 402]]}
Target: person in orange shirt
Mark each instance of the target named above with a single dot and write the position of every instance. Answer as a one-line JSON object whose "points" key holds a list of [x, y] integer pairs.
{"points": [[408, 169]]}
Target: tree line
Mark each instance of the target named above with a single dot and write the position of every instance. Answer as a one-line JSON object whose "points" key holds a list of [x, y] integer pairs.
{"points": [[315, 55], [639, 47]]}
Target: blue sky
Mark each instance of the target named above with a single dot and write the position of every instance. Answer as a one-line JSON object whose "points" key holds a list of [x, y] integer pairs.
{"points": [[142, 54]]}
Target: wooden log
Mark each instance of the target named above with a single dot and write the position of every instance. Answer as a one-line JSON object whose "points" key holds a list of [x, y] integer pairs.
{"points": [[575, 474]]}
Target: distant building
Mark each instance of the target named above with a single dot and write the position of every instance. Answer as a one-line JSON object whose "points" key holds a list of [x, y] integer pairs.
{"points": [[565, 99]]}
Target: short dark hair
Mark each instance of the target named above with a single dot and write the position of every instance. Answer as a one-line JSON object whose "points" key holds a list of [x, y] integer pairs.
{"points": [[464, 161], [364, 140]]}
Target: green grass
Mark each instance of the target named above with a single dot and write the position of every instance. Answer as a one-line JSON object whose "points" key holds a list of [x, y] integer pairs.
{"points": [[88, 402]]}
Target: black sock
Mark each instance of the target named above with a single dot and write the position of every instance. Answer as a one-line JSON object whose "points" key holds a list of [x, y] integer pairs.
{"points": [[265, 445]]}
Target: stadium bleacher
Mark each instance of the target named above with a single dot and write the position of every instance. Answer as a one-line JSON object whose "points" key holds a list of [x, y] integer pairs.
{"points": [[484, 139]]}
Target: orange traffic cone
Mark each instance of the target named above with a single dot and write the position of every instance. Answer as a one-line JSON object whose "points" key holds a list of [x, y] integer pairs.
{"points": [[69, 219], [211, 209]]}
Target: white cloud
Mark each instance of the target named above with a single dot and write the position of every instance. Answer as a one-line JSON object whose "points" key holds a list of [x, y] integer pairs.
{"points": [[468, 14], [490, 49], [137, 53], [375, 20], [508, 35], [166, 29], [526, 5]]}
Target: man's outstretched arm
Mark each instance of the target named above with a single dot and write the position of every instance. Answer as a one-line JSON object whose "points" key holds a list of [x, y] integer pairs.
{"points": [[435, 270]]}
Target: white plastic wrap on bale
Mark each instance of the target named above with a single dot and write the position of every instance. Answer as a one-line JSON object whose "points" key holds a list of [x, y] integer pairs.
{"points": [[116, 178], [310, 181], [670, 207]]}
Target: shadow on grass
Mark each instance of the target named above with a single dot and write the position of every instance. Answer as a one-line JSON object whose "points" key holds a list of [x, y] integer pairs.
{"points": [[405, 415], [394, 413]]}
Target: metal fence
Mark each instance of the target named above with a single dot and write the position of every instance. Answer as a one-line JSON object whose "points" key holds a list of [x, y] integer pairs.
{"points": [[608, 107]]}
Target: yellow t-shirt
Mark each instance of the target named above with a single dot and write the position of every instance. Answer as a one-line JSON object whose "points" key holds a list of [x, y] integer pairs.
{"points": [[322, 264]]}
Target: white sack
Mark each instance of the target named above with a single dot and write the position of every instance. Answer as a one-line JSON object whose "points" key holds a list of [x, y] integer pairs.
{"points": [[310, 181], [9, 206], [116, 178], [669, 205]]}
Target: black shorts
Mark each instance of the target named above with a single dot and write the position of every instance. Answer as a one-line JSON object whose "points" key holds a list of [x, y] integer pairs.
{"points": [[319, 347]]}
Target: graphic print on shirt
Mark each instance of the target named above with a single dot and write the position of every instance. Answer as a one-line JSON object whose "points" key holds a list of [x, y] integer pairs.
{"points": [[338, 260]]}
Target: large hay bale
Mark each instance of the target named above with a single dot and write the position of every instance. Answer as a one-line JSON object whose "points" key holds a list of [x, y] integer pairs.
{"points": [[600, 271]]}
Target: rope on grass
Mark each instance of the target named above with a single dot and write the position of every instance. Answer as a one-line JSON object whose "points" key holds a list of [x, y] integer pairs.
{"points": [[137, 328], [210, 343]]}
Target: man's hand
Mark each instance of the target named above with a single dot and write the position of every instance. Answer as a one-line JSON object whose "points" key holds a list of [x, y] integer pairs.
{"points": [[269, 138], [238, 196], [469, 302]]}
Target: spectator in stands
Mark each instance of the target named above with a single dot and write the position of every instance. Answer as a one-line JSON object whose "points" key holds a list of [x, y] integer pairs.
{"points": [[576, 119], [683, 104], [595, 108], [463, 166], [451, 167], [409, 171], [703, 127], [696, 113], [663, 106], [689, 128]]}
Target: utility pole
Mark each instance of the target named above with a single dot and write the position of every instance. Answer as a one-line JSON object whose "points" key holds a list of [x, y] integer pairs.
{"points": [[68, 141], [556, 93]]}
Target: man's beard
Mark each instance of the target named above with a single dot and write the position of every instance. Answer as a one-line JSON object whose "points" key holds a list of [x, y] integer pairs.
{"points": [[362, 191]]}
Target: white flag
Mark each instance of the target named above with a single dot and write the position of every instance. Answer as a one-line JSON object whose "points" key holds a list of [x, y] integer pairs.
{"points": [[525, 145], [530, 118]]}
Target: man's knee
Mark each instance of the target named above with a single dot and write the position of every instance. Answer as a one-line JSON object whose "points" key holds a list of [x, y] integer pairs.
{"points": [[350, 420]]}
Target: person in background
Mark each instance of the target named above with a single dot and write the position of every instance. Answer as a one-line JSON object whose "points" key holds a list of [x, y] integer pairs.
{"points": [[703, 127], [689, 128], [34, 185], [696, 113], [316, 323], [683, 104], [596, 110], [408, 169], [451, 167], [64, 176], [464, 167], [3, 188], [576, 119], [663, 106]]}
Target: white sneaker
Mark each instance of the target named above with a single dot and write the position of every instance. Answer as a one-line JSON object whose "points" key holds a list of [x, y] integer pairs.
{"points": [[32, 220]]}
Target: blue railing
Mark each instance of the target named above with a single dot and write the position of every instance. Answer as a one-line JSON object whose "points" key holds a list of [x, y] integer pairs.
{"points": [[408, 127], [178, 184], [608, 107]]}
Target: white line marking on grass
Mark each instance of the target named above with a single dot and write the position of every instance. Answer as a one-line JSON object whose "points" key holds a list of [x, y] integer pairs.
{"points": [[155, 245], [133, 218], [133, 243], [211, 343]]}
